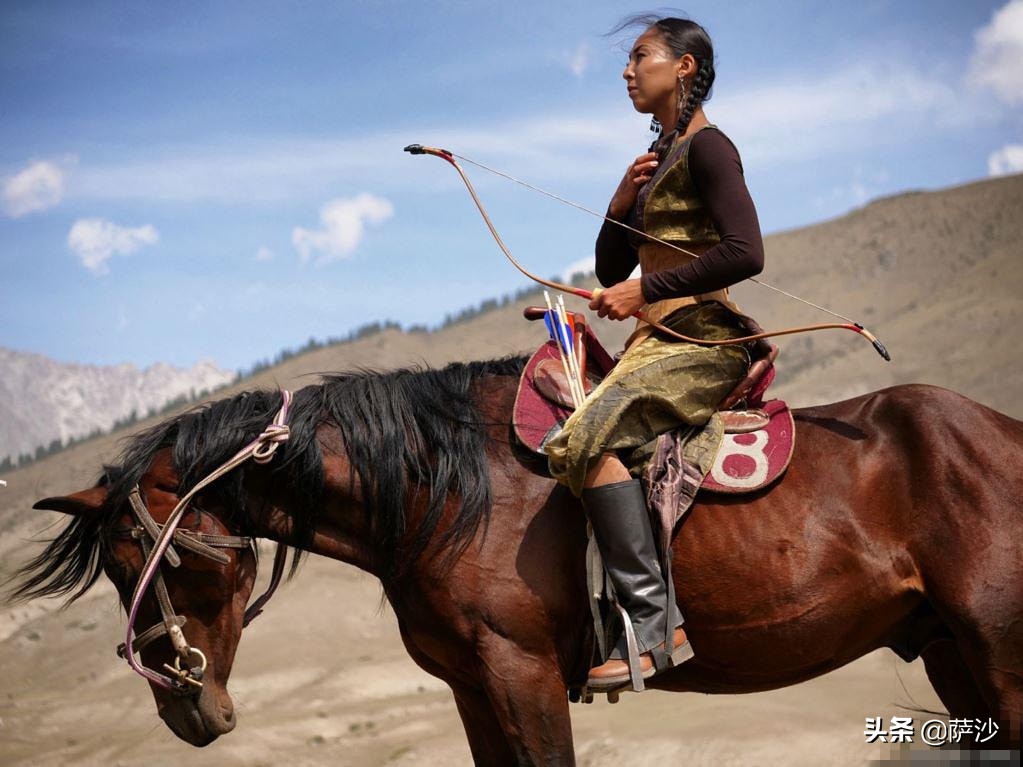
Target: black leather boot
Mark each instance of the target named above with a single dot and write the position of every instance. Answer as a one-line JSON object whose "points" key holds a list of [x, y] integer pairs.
{"points": [[621, 527]]}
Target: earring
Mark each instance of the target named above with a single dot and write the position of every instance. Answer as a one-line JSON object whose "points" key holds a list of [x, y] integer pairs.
{"points": [[681, 96]]}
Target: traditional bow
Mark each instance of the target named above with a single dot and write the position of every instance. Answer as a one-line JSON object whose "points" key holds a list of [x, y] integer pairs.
{"points": [[444, 154]]}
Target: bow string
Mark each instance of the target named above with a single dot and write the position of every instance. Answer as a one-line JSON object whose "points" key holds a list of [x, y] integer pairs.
{"points": [[588, 295]]}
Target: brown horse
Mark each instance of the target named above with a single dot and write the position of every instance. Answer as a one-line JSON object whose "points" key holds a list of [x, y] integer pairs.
{"points": [[898, 524]]}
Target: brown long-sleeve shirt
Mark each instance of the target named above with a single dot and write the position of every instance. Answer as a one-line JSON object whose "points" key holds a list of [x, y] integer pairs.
{"points": [[716, 170]]}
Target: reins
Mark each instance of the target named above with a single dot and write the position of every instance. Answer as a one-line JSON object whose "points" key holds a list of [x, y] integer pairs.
{"points": [[158, 541]]}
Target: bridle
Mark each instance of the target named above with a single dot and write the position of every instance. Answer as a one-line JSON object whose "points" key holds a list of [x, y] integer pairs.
{"points": [[205, 545], [156, 542]]}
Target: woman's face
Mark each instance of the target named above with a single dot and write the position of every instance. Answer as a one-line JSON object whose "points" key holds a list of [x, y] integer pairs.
{"points": [[652, 73]]}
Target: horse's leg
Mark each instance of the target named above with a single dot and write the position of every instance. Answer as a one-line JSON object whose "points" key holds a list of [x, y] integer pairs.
{"points": [[487, 741], [988, 629], [1000, 676], [1008, 689], [969, 551], [530, 700], [953, 682], [979, 675]]}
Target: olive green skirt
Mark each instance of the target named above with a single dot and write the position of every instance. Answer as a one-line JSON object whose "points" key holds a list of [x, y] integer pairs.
{"points": [[658, 385]]}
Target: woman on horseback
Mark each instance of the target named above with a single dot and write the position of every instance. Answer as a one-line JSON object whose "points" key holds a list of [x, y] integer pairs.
{"points": [[687, 190]]}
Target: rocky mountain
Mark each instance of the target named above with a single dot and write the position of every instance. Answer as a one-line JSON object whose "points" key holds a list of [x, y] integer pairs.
{"points": [[42, 400]]}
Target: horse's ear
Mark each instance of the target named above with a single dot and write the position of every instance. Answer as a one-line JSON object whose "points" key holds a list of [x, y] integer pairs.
{"points": [[83, 502]]}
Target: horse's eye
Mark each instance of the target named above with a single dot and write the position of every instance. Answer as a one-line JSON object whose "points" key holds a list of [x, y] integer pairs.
{"points": [[120, 569]]}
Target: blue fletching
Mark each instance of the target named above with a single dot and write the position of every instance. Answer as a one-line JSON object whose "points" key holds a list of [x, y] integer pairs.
{"points": [[547, 320], [565, 337]]}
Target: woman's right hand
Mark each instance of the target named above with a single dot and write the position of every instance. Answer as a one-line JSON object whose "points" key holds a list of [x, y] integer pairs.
{"points": [[641, 171]]}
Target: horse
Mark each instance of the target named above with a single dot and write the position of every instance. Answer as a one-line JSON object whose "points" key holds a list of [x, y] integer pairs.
{"points": [[897, 524]]}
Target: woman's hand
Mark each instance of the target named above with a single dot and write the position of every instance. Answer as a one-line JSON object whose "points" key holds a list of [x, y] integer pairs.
{"points": [[620, 301], [641, 171]]}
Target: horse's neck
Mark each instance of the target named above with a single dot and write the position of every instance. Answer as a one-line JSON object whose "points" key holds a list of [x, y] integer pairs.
{"points": [[341, 527], [495, 398]]}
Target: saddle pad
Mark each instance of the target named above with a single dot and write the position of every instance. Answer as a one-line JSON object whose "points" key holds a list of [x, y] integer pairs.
{"points": [[744, 463], [535, 418], [748, 462]]}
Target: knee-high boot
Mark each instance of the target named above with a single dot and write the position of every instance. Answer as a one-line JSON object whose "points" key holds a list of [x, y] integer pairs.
{"points": [[621, 527]]}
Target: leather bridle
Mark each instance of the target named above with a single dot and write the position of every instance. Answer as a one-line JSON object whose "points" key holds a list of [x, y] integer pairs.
{"points": [[205, 545], [156, 542]]}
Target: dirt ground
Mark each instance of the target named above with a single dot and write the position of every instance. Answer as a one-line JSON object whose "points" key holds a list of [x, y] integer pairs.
{"points": [[322, 679]]}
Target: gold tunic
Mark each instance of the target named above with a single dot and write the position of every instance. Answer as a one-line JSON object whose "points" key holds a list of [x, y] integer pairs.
{"points": [[655, 257], [673, 211], [659, 384]]}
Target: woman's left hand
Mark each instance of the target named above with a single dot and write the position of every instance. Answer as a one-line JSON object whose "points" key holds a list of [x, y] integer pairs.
{"points": [[620, 301]]}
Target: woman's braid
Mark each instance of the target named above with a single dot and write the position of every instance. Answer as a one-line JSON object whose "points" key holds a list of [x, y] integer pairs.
{"points": [[698, 92]]}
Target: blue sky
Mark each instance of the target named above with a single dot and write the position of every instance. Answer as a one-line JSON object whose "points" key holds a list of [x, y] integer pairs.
{"points": [[184, 181]]}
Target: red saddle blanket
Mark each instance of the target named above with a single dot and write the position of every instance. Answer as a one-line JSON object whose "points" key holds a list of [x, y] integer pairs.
{"points": [[745, 462], [750, 461]]}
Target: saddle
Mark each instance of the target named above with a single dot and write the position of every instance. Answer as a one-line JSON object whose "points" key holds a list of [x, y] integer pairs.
{"points": [[759, 434]]}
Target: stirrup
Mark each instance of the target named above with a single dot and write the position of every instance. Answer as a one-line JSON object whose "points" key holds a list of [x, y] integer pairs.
{"points": [[631, 680], [682, 653]]}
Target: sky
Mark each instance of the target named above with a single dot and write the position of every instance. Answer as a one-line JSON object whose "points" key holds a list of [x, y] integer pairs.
{"points": [[219, 181]]}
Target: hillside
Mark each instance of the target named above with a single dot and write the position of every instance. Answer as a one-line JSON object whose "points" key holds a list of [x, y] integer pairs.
{"points": [[938, 276]]}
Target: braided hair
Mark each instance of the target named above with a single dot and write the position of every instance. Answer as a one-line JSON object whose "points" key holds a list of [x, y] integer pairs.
{"points": [[682, 36], [699, 91]]}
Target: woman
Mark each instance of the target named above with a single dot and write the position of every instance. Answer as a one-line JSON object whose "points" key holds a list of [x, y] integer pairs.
{"points": [[688, 190]]}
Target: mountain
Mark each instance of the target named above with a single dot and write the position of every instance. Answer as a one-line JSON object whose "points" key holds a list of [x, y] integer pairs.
{"points": [[937, 275], [42, 400]]}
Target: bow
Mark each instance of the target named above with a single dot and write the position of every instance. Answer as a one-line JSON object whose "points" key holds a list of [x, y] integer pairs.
{"points": [[444, 154]]}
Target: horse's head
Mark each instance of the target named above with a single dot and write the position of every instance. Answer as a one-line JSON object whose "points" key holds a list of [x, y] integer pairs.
{"points": [[209, 588]]}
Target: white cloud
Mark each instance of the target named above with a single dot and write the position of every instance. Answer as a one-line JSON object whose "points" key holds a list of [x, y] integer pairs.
{"points": [[37, 187], [1008, 159], [798, 117], [579, 61], [583, 265], [586, 266], [343, 225], [864, 185], [802, 117], [95, 240], [271, 170], [997, 61], [264, 254]]}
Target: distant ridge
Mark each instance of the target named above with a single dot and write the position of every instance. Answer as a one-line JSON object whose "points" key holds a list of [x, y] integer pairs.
{"points": [[45, 403]]}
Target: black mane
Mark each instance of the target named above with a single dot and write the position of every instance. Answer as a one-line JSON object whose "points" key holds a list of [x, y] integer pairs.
{"points": [[402, 430]]}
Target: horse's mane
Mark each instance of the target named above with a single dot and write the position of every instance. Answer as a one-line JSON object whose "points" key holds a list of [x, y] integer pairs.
{"points": [[404, 430]]}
